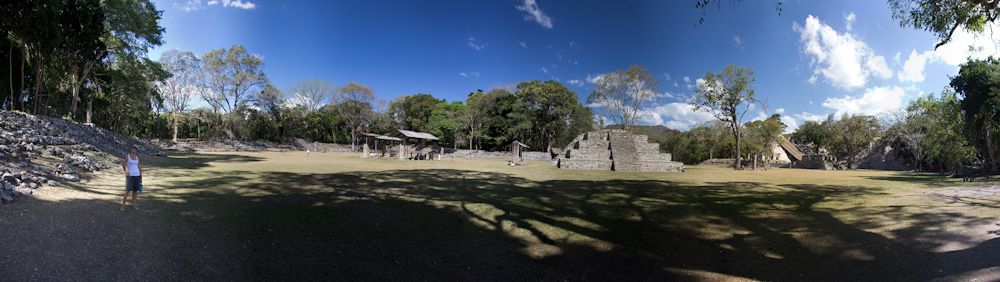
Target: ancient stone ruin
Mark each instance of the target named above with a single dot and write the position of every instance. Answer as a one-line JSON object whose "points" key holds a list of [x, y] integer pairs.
{"points": [[617, 150]]}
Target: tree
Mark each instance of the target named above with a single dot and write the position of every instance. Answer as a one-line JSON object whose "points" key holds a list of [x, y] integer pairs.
{"points": [[355, 108], [944, 17], [944, 139], [979, 82], [550, 105], [472, 117], [416, 110], [761, 134], [852, 133], [181, 86], [442, 121], [229, 77], [312, 93], [624, 96], [815, 132], [728, 95], [910, 127]]}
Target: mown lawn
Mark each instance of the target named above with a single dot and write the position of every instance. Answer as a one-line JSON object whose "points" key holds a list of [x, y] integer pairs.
{"points": [[285, 216]]}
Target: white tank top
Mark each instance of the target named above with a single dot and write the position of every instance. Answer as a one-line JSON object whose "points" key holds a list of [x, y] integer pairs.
{"points": [[133, 165]]}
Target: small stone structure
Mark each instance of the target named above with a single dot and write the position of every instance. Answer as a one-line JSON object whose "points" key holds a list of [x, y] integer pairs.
{"points": [[617, 150]]}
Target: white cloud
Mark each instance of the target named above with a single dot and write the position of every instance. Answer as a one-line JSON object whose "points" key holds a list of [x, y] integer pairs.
{"points": [[666, 76], [875, 101], [474, 45], [790, 124], [473, 74], [534, 14], [463, 74], [545, 70], [594, 78], [804, 116], [958, 49], [195, 5], [523, 44], [189, 6], [238, 4], [680, 116], [895, 59], [913, 69], [843, 61], [850, 20], [878, 67], [780, 111], [574, 45], [738, 41], [687, 79], [575, 82], [675, 84], [576, 62]]}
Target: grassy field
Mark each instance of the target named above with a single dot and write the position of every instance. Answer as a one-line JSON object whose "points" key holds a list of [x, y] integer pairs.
{"points": [[285, 216]]}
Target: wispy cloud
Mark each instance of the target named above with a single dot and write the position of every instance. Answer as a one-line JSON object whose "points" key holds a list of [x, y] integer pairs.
{"points": [[534, 14], [545, 70], [575, 82], [473, 74], [574, 45], [524, 44], [195, 5], [849, 18], [474, 45], [738, 41], [666, 76]]}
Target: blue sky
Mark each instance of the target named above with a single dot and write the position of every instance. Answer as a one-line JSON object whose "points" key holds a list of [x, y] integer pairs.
{"points": [[814, 59]]}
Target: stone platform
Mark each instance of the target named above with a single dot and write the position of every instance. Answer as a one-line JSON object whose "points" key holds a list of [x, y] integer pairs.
{"points": [[617, 150]]}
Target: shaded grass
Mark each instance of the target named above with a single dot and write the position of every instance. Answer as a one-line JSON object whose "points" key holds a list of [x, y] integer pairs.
{"points": [[268, 216]]}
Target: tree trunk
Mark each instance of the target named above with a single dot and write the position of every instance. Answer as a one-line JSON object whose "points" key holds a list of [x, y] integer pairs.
{"points": [[10, 66], [736, 134], [175, 126], [990, 149]]}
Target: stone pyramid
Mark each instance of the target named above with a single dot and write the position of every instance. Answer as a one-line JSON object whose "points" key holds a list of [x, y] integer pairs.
{"points": [[617, 150]]}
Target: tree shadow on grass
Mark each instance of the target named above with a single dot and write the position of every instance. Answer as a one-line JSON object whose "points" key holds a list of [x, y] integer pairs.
{"points": [[458, 225], [188, 160]]}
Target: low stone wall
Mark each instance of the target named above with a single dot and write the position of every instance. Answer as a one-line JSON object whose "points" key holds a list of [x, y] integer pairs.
{"points": [[585, 164], [665, 166], [492, 155]]}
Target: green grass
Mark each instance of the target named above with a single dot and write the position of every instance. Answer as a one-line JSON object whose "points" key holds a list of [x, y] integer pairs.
{"points": [[285, 216]]}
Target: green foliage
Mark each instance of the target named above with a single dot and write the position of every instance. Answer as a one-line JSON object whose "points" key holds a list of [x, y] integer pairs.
{"points": [[979, 82], [728, 95], [815, 132], [852, 133], [548, 106], [761, 134], [944, 17], [944, 140], [624, 96], [416, 111]]}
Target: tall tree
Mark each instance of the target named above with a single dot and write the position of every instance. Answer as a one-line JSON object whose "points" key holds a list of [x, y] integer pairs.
{"points": [[624, 96], [312, 93], [852, 134], [944, 139], [177, 90], [229, 77], [417, 110], [728, 95], [910, 127], [356, 108], [944, 17], [550, 104], [129, 29], [978, 81]]}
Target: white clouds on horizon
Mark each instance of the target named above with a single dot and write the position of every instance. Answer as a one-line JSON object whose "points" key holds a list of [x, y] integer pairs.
{"points": [[534, 14], [841, 59], [680, 116], [874, 101]]}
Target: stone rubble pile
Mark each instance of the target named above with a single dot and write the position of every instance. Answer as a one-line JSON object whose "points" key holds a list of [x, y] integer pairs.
{"points": [[40, 151]]}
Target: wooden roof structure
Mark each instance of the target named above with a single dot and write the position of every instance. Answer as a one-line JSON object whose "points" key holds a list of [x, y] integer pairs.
{"points": [[400, 133], [790, 148]]}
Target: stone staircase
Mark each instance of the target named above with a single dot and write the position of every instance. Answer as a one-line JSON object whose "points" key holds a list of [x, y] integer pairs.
{"points": [[616, 150], [623, 151]]}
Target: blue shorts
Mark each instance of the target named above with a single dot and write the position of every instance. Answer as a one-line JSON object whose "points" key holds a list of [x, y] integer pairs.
{"points": [[132, 183]]}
